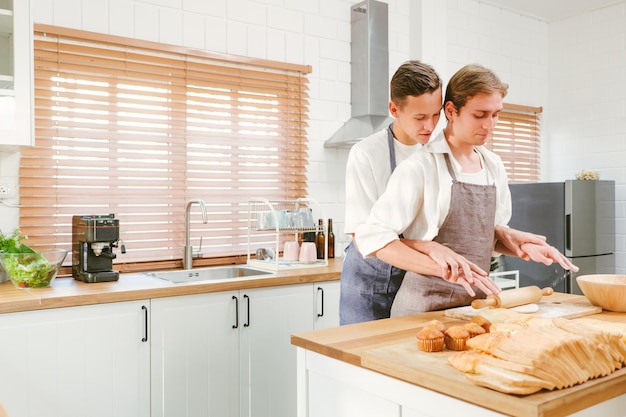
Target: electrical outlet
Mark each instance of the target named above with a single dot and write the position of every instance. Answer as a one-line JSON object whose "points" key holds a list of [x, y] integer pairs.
{"points": [[7, 190]]}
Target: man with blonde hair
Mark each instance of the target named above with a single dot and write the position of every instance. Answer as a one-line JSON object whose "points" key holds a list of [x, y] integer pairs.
{"points": [[453, 194]]}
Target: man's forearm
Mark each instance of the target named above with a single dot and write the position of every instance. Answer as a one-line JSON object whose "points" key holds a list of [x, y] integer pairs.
{"points": [[509, 241], [401, 256], [501, 248]]}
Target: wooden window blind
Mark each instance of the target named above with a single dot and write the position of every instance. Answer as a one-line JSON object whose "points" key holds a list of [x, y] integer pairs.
{"points": [[137, 129], [516, 140]]}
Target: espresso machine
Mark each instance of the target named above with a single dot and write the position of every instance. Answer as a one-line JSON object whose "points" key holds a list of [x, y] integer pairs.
{"points": [[93, 240]]}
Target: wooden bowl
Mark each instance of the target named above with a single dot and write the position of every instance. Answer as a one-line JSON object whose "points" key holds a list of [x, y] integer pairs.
{"points": [[607, 291]]}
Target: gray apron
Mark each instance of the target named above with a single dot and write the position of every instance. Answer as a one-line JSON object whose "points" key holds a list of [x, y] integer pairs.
{"points": [[468, 229], [368, 285]]}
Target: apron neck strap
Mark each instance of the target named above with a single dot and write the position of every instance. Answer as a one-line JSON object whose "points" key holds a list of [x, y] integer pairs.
{"points": [[453, 174], [449, 165], [392, 148]]}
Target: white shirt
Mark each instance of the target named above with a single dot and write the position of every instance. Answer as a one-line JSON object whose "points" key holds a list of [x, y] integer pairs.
{"points": [[367, 171], [417, 198]]}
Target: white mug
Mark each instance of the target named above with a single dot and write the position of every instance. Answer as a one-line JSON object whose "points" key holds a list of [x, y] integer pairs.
{"points": [[308, 252], [291, 251]]}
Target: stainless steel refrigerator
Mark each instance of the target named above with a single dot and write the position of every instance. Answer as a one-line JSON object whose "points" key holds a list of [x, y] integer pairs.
{"points": [[577, 217]]}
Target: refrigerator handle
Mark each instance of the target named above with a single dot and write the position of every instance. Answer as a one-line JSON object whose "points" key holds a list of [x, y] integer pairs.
{"points": [[568, 232]]}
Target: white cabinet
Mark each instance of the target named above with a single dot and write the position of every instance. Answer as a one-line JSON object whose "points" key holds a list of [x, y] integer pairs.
{"points": [[326, 313], [16, 74], [330, 387], [228, 353], [268, 359], [76, 361], [195, 356], [206, 355]]}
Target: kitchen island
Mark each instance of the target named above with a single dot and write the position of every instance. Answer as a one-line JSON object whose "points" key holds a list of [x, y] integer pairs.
{"points": [[375, 369]]}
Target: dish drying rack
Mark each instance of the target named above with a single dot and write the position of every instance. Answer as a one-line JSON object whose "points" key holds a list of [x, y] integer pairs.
{"points": [[274, 217]]}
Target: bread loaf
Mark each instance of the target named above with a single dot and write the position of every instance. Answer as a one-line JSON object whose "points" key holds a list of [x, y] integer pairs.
{"points": [[495, 384], [525, 357]]}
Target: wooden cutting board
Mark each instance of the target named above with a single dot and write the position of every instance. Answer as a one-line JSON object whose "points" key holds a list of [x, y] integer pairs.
{"points": [[546, 309]]}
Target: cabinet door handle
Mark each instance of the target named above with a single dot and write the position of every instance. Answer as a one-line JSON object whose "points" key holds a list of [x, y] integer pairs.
{"points": [[320, 290], [236, 325], [247, 323], [145, 323]]}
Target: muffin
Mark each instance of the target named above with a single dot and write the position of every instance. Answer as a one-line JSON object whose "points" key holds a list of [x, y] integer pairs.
{"points": [[482, 322], [430, 339], [455, 337], [437, 325], [474, 329]]}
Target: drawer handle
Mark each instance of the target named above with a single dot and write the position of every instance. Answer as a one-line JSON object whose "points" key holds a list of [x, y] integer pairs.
{"points": [[321, 291], [247, 323], [236, 325], [145, 322]]}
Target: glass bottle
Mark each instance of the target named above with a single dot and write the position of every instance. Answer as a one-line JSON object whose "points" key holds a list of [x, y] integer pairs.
{"points": [[331, 239], [320, 239]]}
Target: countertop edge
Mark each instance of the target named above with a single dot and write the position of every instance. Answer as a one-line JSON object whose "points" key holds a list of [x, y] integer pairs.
{"points": [[67, 292]]}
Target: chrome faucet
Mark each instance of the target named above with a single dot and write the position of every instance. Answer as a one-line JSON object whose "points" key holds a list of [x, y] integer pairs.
{"points": [[188, 249]]}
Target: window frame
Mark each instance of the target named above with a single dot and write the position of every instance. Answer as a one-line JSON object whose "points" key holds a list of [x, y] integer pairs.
{"points": [[48, 224]]}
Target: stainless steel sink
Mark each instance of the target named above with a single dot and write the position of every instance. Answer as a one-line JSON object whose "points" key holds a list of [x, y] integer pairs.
{"points": [[211, 273]]}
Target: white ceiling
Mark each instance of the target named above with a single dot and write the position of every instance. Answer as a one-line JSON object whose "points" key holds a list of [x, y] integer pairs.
{"points": [[549, 10]]}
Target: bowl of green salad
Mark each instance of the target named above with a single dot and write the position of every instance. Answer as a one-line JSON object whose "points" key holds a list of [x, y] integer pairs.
{"points": [[32, 269]]}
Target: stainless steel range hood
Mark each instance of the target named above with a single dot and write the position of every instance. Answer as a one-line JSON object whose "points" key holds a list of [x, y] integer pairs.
{"points": [[370, 74]]}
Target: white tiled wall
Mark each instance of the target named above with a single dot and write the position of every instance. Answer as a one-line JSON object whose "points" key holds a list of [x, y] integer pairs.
{"points": [[587, 91], [575, 69], [514, 46]]}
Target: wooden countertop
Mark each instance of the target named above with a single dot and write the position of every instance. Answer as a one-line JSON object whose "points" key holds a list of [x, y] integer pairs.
{"points": [[68, 292], [370, 345]]}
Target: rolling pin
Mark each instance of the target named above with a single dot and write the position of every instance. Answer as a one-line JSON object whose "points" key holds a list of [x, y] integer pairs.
{"points": [[513, 298]]}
